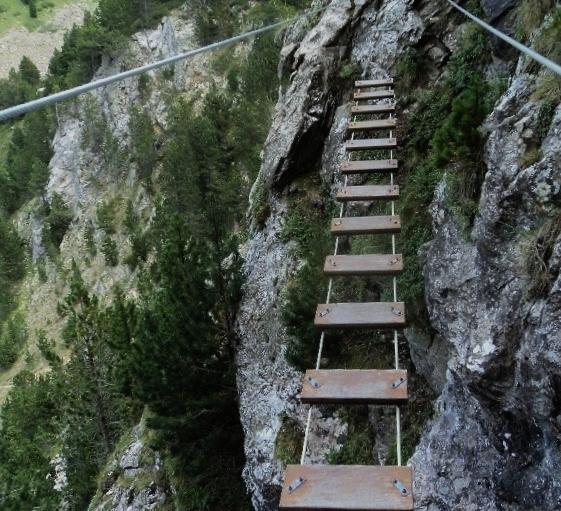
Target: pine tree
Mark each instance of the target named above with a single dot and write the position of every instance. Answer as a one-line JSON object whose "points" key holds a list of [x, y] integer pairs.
{"points": [[95, 412], [143, 141], [32, 9], [29, 73]]}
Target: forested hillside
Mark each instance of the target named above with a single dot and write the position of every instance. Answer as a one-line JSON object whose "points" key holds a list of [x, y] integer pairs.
{"points": [[161, 345]]}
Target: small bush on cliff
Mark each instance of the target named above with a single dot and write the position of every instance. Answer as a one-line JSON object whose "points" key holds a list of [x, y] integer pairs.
{"points": [[358, 447], [12, 341], [288, 443], [538, 251], [143, 142], [306, 229], [530, 15], [58, 218], [548, 43], [441, 133]]}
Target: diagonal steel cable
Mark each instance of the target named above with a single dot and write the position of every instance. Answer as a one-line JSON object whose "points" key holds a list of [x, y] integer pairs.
{"points": [[544, 61], [30, 106]]}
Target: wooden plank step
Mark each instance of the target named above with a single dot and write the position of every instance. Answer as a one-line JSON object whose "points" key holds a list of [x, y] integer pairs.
{"points": [[365, 225], [378, 124], [370, 143], [367, 166], [385, 82], [375, 94], [373, 109], [371, 264], [368, 193], [354, 387], [347, 488], [360, 315]]}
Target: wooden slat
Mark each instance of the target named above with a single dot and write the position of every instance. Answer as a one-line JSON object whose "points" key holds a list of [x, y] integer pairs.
{"points": [[360, 315], [377, 124], [373, 109], [370, 143], [361, 84], [371, 264], [368, 193], [367, 166], [354, 386], [365, 225], [375, 94], [347, 488]]}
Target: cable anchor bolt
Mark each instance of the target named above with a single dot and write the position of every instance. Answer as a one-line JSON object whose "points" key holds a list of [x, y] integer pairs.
{"points": [[313, 382], [403, 491], [398, 382], [294, 485]]}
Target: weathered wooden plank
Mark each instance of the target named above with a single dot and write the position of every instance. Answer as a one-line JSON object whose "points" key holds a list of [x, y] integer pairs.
{"points": [[385, 82], [371, 264], [354, 386], [377, 124], [373, 109], [360, 315], [365, 225], [370, 143], [374, 94], [368, 193], [347, 488], [367, 166]]}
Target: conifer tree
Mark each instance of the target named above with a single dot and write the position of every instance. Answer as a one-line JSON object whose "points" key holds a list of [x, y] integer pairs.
{"points": [[94, 410]]}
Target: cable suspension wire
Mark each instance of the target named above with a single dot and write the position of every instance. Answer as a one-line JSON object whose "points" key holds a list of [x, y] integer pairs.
{"points": [[544, 61], [395, 334], [30, 106]]}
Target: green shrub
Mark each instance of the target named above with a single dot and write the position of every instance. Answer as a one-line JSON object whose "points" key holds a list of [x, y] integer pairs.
{"points": [[409, 68], [58, 218], [443, 133], [106, 215], [95, 123], [47, 348], [12, 340], [32, 9], [546, 114], [548, 87], [537, 252], [288, 444], [307, 227], [143, 141], [140, 239], [358, 447], [350, 72], [548, 41], [89, 238], [260, 203], [110, 251], [12, 253], [530, 16], [301, 297], [25, 163], [144, 87], [529, 158]]}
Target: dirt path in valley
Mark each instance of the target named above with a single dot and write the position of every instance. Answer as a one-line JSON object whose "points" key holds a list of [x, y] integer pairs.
{"points": [[39, 45]]}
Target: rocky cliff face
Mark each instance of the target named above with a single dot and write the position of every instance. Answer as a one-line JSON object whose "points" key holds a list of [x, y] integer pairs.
{"points": [[495, 441], [494, 356]]}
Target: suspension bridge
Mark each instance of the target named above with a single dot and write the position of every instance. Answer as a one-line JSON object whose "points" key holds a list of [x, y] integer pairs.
{"points": [[348, 487], [359, 487]]}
